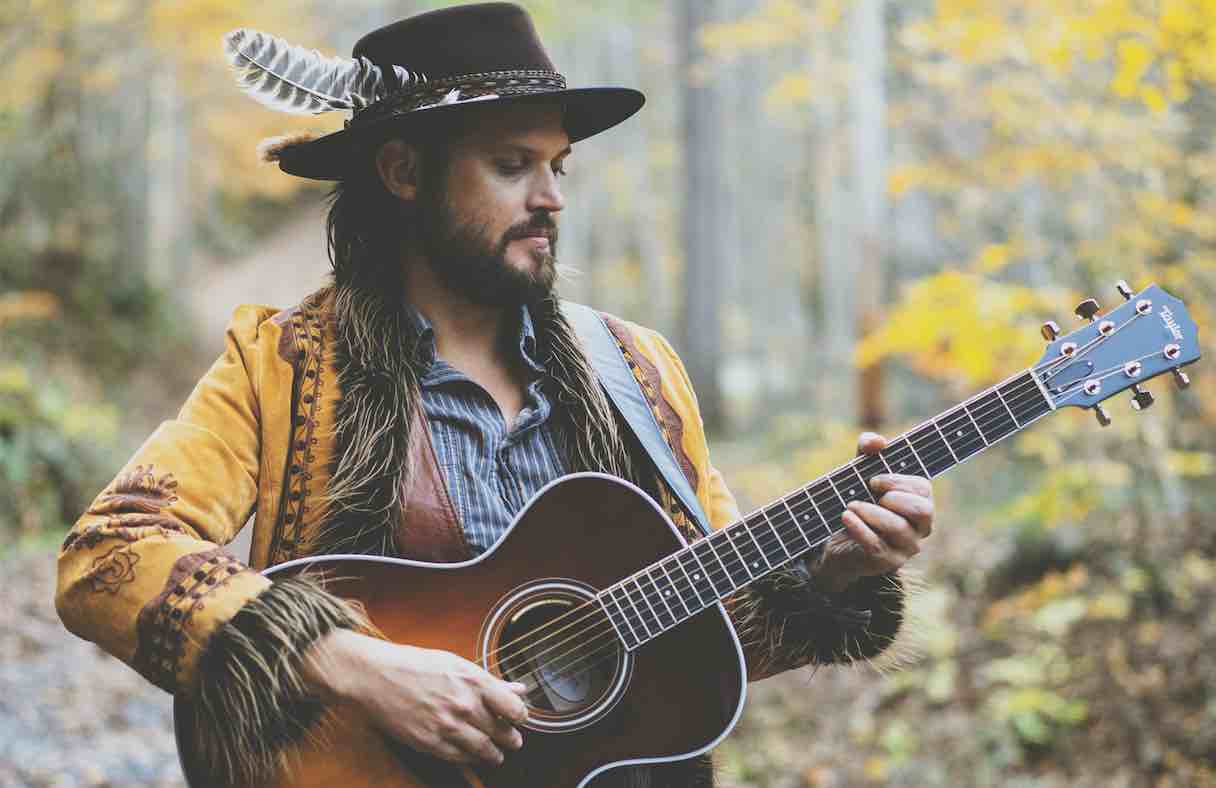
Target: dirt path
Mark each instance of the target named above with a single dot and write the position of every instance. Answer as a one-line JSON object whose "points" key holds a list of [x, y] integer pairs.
{"points": [[71, 715], [282, 269]]}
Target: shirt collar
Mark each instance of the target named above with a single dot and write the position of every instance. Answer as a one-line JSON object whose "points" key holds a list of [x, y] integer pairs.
{"points": [[424, 339]]}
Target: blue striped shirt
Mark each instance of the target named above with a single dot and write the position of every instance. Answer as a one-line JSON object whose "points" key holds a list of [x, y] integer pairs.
{"points": [[491, 472]]}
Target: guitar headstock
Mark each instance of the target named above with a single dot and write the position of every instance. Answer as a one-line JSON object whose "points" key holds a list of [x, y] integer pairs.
{"points": [[1150, 334]]}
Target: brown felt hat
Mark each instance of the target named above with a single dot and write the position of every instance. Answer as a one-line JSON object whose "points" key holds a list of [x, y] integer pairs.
{"points": [[471, 55]]}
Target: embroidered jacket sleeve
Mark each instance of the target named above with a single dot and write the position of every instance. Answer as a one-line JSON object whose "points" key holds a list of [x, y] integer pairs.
{"points": [[142, 573], [784, 621]]}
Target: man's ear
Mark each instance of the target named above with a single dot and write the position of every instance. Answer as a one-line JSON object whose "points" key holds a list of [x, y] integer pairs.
{"points": [[397, 163]]}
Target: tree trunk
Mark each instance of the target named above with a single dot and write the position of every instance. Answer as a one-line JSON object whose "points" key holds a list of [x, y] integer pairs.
{"points": [[869, 165], [702, 221]]}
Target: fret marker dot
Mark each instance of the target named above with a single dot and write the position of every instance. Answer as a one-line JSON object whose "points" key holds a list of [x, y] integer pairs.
{"points": [[852, 492], [755, 564], [806, 517], [668, 592], [903, 464], [959, 433], [696, 576]]}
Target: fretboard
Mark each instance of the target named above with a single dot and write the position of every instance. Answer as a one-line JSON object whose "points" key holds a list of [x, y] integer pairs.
{"points": [[660, 596]]}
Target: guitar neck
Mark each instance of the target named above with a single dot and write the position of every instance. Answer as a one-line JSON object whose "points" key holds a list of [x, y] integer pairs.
{"points": [[656, 598]]}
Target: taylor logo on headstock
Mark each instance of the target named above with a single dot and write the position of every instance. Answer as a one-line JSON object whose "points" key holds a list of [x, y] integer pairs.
{"points": [[1167, 316]]}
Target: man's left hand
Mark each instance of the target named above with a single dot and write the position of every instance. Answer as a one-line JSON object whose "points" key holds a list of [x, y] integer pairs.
{"points": [[878, 538]]}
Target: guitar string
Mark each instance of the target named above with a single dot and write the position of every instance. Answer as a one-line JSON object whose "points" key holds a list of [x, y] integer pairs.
{"points": [[609, 631], [606, 646], [657, 619], [955, 414], [1014, 399], [770, 536], [610, 648], [1020, 389]]}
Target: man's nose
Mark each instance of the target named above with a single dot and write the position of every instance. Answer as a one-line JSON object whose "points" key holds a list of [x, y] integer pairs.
{"points": [[546, 194]]}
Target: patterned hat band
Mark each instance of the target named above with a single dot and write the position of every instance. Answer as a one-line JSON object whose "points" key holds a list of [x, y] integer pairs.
{"points": [[458, 90]]}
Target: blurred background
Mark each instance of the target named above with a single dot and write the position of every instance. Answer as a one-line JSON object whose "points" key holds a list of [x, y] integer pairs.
{"points": [[844, 214]]}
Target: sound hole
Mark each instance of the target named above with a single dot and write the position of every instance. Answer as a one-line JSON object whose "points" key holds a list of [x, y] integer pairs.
{"points": [[558, 643]]}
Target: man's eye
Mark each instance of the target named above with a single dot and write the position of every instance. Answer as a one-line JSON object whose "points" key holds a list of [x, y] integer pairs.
{"points": [[511, 167]]}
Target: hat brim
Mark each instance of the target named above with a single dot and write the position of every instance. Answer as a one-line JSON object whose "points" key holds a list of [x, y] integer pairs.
{"points": [[586, 112]]}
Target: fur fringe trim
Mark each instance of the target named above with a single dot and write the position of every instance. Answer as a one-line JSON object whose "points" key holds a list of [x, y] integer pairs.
{"points": [[365, 496], [376, 368], [785, 622], [252, 702], [594, 439], [908, 644], [271, 149]]}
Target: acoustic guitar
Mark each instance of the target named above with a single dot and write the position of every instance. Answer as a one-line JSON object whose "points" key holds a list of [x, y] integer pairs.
{"points": [[616, 625]]}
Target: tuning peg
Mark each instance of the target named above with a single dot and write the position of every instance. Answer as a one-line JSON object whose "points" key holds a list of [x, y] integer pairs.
{"points": [[1181, 378], [1103, 416], [1087, 309], [1050, 330], [1124, 289], [1142, 400]]}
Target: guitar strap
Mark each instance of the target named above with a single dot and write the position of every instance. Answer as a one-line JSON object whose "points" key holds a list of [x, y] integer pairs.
{"points": [[626, 395]]}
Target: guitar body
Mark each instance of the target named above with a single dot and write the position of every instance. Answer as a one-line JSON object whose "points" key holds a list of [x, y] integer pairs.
{"points": [[674, 697]]}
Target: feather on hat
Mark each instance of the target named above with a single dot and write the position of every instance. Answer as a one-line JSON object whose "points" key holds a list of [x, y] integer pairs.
{"points": [[408, 77]]}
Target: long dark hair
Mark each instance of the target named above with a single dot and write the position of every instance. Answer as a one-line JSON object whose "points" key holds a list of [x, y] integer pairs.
{"points": [[367, 224]]}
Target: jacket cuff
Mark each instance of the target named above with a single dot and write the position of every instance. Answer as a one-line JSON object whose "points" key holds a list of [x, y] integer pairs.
{"points": [[251, 700], [785, 622]]}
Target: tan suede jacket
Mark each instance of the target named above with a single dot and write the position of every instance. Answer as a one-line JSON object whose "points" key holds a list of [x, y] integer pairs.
{"points": [[143, 574]]}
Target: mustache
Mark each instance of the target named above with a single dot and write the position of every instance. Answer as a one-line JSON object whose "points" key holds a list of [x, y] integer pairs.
{"points": [[539, 224]]}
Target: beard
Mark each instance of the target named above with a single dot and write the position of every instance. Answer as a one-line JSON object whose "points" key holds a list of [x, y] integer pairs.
{"points": [[468, 262]]}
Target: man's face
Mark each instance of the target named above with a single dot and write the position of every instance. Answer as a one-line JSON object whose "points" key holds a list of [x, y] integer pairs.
{"points": [[488, 225]]}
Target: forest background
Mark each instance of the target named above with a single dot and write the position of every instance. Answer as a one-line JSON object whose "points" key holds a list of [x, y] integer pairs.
{"points": [[844, 213]]}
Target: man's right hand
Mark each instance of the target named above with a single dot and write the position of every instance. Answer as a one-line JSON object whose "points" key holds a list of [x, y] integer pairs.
{"points": [[434, 701]]}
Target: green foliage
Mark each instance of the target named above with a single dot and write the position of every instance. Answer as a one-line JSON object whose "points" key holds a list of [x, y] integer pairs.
{"points": [[56, 449]]}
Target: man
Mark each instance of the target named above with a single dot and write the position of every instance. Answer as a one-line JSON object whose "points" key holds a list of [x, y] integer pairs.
{"points": [[411, 409]]}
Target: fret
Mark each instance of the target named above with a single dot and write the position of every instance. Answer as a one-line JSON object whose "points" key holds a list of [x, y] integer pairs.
{"points": [[706, 546], [935, 454], [996, 420], [1027, 398], [1001, 397], [907, 441], [673, 584], [962, 435], [620, 633], [658, 624], [746, 528], [742, 561], [818, 512], [948, 447], [843, 503], [828, 501], [777, 531], [975, 424], [637, 639], [870, 466], [667, 590], [667, 618], [830, 506], [854, 486], [797, 526], [698, 577]]}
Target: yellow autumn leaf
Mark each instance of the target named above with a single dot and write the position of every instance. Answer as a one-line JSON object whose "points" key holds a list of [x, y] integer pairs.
{"points": [[993, 258], [1133, 58], [1153, 98]]}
